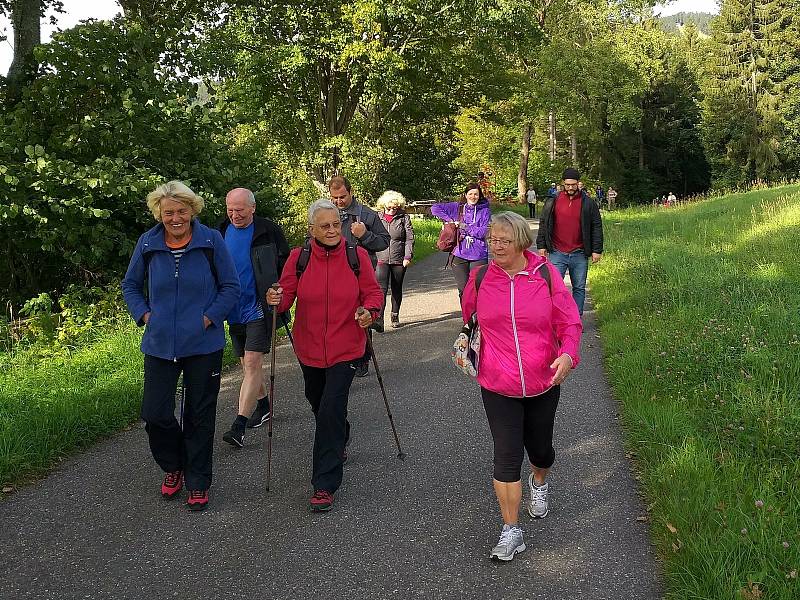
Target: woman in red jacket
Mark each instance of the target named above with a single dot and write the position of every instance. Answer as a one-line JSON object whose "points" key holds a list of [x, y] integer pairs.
{"points": [[530, 340], [336, 303]]}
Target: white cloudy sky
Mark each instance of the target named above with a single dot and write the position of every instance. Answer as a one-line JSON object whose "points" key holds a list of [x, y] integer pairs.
{"points": [[77, 10]]}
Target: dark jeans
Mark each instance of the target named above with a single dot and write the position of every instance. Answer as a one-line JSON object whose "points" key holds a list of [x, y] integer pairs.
{"points": [[190, 450], [461, 269], [532, 210], [391, 277], [327, 391], [520, 424]]}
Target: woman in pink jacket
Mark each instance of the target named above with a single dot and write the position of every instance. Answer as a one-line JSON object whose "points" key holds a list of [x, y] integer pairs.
{"points": [[530, 340]]}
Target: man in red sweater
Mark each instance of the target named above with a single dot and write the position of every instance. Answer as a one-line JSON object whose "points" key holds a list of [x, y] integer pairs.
{"points": [[335, 305], [571, 233]]}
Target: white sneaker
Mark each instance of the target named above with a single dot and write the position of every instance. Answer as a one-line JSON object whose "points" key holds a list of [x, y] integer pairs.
{"points": [[509, 544], [537, 507]]}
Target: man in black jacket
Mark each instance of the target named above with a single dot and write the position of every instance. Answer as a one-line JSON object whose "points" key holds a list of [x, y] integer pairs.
{"points": [[259, 251], [571, 233]]}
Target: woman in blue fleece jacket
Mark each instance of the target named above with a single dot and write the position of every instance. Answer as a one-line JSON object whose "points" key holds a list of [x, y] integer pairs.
{"points": [[191, 286]]}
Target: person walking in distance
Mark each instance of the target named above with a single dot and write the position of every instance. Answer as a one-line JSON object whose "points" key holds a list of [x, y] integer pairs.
{"points": [[335, 305], [361, 226], [530, 197], [530, 341], [612, 198], [571, 234], [393, 262], [472, 214], [191, 286], [259, 251]]}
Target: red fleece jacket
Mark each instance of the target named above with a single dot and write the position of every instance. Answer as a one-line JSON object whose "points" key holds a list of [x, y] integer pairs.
{"points": [[328, 295]]}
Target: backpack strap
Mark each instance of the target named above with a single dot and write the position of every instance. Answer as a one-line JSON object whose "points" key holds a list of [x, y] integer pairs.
{"points": [[305, 256], [479, 279], [545, 273], [302, 260]]}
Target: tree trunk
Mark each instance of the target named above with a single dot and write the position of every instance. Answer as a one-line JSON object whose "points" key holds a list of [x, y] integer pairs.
{"points": [[524, 152], [27, 35], [641, 149], [573, 148], [552, 131]]}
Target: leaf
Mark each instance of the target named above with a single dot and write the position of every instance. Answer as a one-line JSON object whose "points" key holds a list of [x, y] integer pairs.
{"points": [[8, 489], [672, 528], [30, 151], [92, 183]]}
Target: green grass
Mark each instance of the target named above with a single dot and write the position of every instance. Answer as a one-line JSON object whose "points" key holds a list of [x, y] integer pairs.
{"points": [[55, 402], [699, 310]]}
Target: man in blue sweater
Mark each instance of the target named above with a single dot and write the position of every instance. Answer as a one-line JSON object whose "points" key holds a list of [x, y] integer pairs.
{"points": [[259, 251]]}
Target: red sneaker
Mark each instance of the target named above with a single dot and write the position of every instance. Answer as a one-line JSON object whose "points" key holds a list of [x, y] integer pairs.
{"points": [[198, 499], [321, 501], [172, 484]]}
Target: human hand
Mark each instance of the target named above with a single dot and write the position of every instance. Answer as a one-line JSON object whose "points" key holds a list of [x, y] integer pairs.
{"points": [[562, 365], [206, 322], [146, 318], [274, 296], [363, 317], [406, 262], [358, 229], [596, 257], [542, 252]]}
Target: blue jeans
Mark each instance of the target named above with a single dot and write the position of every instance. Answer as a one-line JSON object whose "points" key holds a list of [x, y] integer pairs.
{"points": [[577, 264]]}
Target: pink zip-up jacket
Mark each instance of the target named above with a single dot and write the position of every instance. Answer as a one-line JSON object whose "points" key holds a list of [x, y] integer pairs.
{"points": [[523, 328]]}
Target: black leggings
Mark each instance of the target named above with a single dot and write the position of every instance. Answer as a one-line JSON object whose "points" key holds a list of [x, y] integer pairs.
{"points": [[391, 276], [520, 424], [461, 269]]}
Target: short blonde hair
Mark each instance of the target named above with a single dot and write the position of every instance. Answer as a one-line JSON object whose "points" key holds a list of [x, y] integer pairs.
{"points": [[179, 192], [390, 197], [521, 234]]}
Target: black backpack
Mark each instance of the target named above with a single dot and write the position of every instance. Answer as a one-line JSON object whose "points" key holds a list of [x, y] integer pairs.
{"points": [[305, 256]]}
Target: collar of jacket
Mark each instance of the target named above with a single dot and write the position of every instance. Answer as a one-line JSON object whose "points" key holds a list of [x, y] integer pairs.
{"points": [[535, 262], [321, 250], [201, 238], [352, 209], [259, 225]]}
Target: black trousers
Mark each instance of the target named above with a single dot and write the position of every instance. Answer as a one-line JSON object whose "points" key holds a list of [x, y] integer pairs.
{"points": [[532, 210], [461, 269], [190, 450], [391, 277], [327, 390], [520, 424]]}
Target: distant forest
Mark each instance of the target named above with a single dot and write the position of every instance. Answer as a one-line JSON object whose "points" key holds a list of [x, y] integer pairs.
{"points": [[700, 19]]}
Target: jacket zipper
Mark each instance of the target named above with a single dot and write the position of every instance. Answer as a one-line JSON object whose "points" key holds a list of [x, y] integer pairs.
{"points": [[516, 340], [174, 314], [327, 300]]}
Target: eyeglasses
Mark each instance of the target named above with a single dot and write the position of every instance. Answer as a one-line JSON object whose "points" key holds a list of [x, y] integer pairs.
{"points": [[500, 243], [328, 226], [391, 208]]}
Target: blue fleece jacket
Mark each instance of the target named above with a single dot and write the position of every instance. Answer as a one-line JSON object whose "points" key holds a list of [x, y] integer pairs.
{"points": [[178, 300]]}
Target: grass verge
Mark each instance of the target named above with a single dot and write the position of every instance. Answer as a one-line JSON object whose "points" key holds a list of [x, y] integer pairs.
{"points": [[699, 310], [55, 402]]}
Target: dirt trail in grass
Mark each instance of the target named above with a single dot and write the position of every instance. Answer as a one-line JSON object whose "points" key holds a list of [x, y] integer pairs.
{"points": [[423, 528]]}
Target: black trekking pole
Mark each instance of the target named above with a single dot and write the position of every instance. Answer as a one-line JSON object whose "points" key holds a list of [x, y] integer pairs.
{"points": [[400, 454], [183, 400], [271, 389]]}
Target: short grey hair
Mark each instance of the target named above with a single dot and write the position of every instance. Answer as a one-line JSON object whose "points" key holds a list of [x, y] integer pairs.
{"points": [[521, 233], [319, 205]]}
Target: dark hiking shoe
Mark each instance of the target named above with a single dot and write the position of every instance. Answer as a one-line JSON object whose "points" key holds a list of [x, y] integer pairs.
{"points": [[260, 415], [172, 484], [198, 500], [321, 501], [234, 436], [362, 368], [395, 321]]}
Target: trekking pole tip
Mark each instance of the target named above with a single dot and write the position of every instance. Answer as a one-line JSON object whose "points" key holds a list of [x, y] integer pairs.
{"points": [[401, 456]]}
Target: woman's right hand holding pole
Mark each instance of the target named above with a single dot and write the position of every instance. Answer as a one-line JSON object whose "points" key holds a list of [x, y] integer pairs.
{"points": [[274, 295]]}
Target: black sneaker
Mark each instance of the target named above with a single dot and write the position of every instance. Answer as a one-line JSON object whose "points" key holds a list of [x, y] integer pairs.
{"points": [[362, 368], [234, 436], [260, 415]]}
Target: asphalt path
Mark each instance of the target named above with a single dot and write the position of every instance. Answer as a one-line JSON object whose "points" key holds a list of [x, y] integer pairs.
{"points": [[96, 527]]}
